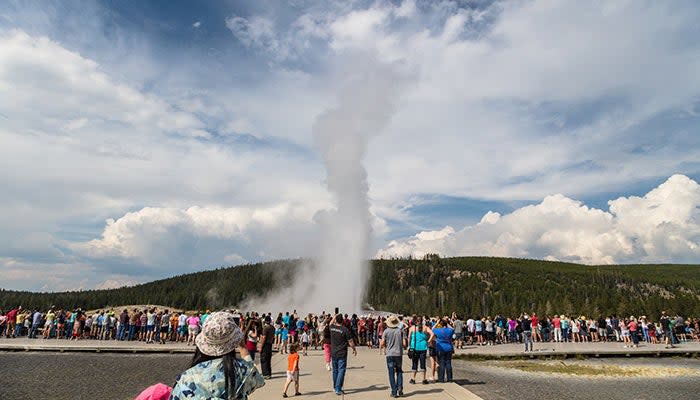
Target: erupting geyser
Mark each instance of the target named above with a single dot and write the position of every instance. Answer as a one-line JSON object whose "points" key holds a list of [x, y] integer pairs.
{"points": [[341, 134], [338, 277]]}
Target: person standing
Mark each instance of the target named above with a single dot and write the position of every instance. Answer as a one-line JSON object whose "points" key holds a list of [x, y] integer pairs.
{"points": [[123, 324], [666, 327], [265, 343], [443, 335], [326, 341], [341, 338], [526, 325], [35, 318], [418, 337], [393, 341]]}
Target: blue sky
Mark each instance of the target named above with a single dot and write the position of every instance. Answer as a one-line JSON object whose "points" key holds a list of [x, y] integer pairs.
{"points": [[145, 139]]}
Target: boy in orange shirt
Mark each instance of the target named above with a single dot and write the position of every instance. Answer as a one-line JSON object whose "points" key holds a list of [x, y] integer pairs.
{"points": [[292, 370]]}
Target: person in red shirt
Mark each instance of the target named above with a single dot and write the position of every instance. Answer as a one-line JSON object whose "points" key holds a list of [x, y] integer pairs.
{"points": [[11, 321], [536, 336], [556, 322]]}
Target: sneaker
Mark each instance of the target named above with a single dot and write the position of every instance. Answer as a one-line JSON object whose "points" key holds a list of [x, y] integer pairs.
{"points": [[425, 381], [284, 395], [297, 394], [400, 393], [412, 381]]}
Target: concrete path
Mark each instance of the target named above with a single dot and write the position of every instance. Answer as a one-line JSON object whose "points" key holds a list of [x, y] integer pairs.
{"points": [[366, 378]]}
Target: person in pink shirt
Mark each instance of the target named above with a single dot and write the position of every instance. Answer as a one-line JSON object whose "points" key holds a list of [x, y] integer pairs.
{"points": [[192, 328], [634, 327]]}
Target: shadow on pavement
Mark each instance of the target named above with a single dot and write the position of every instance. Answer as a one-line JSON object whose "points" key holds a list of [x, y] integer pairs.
{"points": [[419, 392], [466, 382], [372, 388]]}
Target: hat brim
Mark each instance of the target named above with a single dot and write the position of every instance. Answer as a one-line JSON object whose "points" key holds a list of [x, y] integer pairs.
{"points": [[392, 324], [214, 350]]}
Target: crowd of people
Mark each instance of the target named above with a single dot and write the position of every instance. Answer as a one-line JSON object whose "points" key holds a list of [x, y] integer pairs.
{"points": [[429, 341]]}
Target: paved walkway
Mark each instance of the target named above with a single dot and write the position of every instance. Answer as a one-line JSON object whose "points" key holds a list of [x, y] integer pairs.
{"points": [[366, 378]]}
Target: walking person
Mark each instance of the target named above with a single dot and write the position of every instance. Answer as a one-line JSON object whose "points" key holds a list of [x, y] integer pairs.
{"points": [[443, 344], [526, 325], [393, 341], [292, 371], [341, 338], [266, 342]]}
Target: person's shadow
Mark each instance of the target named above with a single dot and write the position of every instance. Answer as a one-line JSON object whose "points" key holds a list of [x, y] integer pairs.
{"points": [[372, 388], [419, 392]]}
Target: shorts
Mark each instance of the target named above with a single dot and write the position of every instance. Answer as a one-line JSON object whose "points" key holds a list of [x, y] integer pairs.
{"points": [[149, 328], [459, 336], [293, 376], [182, 330], [418, 361], [164, 329], [193, 329], [432, 351]]}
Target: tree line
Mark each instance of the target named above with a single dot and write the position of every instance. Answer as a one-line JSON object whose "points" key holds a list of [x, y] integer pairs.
{"points": [[430, 285]]}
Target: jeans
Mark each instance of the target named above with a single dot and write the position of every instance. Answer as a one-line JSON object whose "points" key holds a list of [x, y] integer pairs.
{"points": [[527, 338], [132, 331], [565, 334], [393, 364], [120, 332], [445, 365], [513, 336], [33, 331], [266, 359], [339, 366]]}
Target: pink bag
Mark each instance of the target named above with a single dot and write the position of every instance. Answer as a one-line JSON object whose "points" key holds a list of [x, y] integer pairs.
{"points": [[158, 391]]}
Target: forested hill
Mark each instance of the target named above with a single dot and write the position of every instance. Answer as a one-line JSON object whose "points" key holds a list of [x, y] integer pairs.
{"points": [[473, 285]]}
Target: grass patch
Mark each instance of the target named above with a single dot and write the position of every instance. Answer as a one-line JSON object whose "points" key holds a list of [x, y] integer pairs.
{"points": [[579, 369]]}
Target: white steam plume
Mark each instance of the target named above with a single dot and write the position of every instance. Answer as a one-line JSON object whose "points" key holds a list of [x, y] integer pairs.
{"points": [[342, 134], [339, 275]]}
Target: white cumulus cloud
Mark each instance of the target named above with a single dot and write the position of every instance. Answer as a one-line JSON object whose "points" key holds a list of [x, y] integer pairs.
{"points": [[662, 226]]}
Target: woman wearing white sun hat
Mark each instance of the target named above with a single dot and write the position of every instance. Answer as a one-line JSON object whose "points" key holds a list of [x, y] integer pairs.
{"points": [[216, 372]]}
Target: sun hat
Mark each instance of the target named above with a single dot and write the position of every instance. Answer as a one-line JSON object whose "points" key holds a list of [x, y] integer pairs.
{"points": [[220, 335], [392, 321]]}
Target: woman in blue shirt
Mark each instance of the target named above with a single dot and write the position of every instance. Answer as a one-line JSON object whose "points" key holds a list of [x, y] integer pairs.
{"points": [[443, 334], [418, 337]]}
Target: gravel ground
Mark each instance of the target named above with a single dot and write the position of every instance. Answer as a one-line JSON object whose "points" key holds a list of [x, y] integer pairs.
{"points": [[491, 382], [121, 376], [44, 375]]}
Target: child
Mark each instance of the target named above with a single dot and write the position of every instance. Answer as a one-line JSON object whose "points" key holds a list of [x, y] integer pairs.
{"points": [[292, 370], [285, 339], [305, 342]]}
